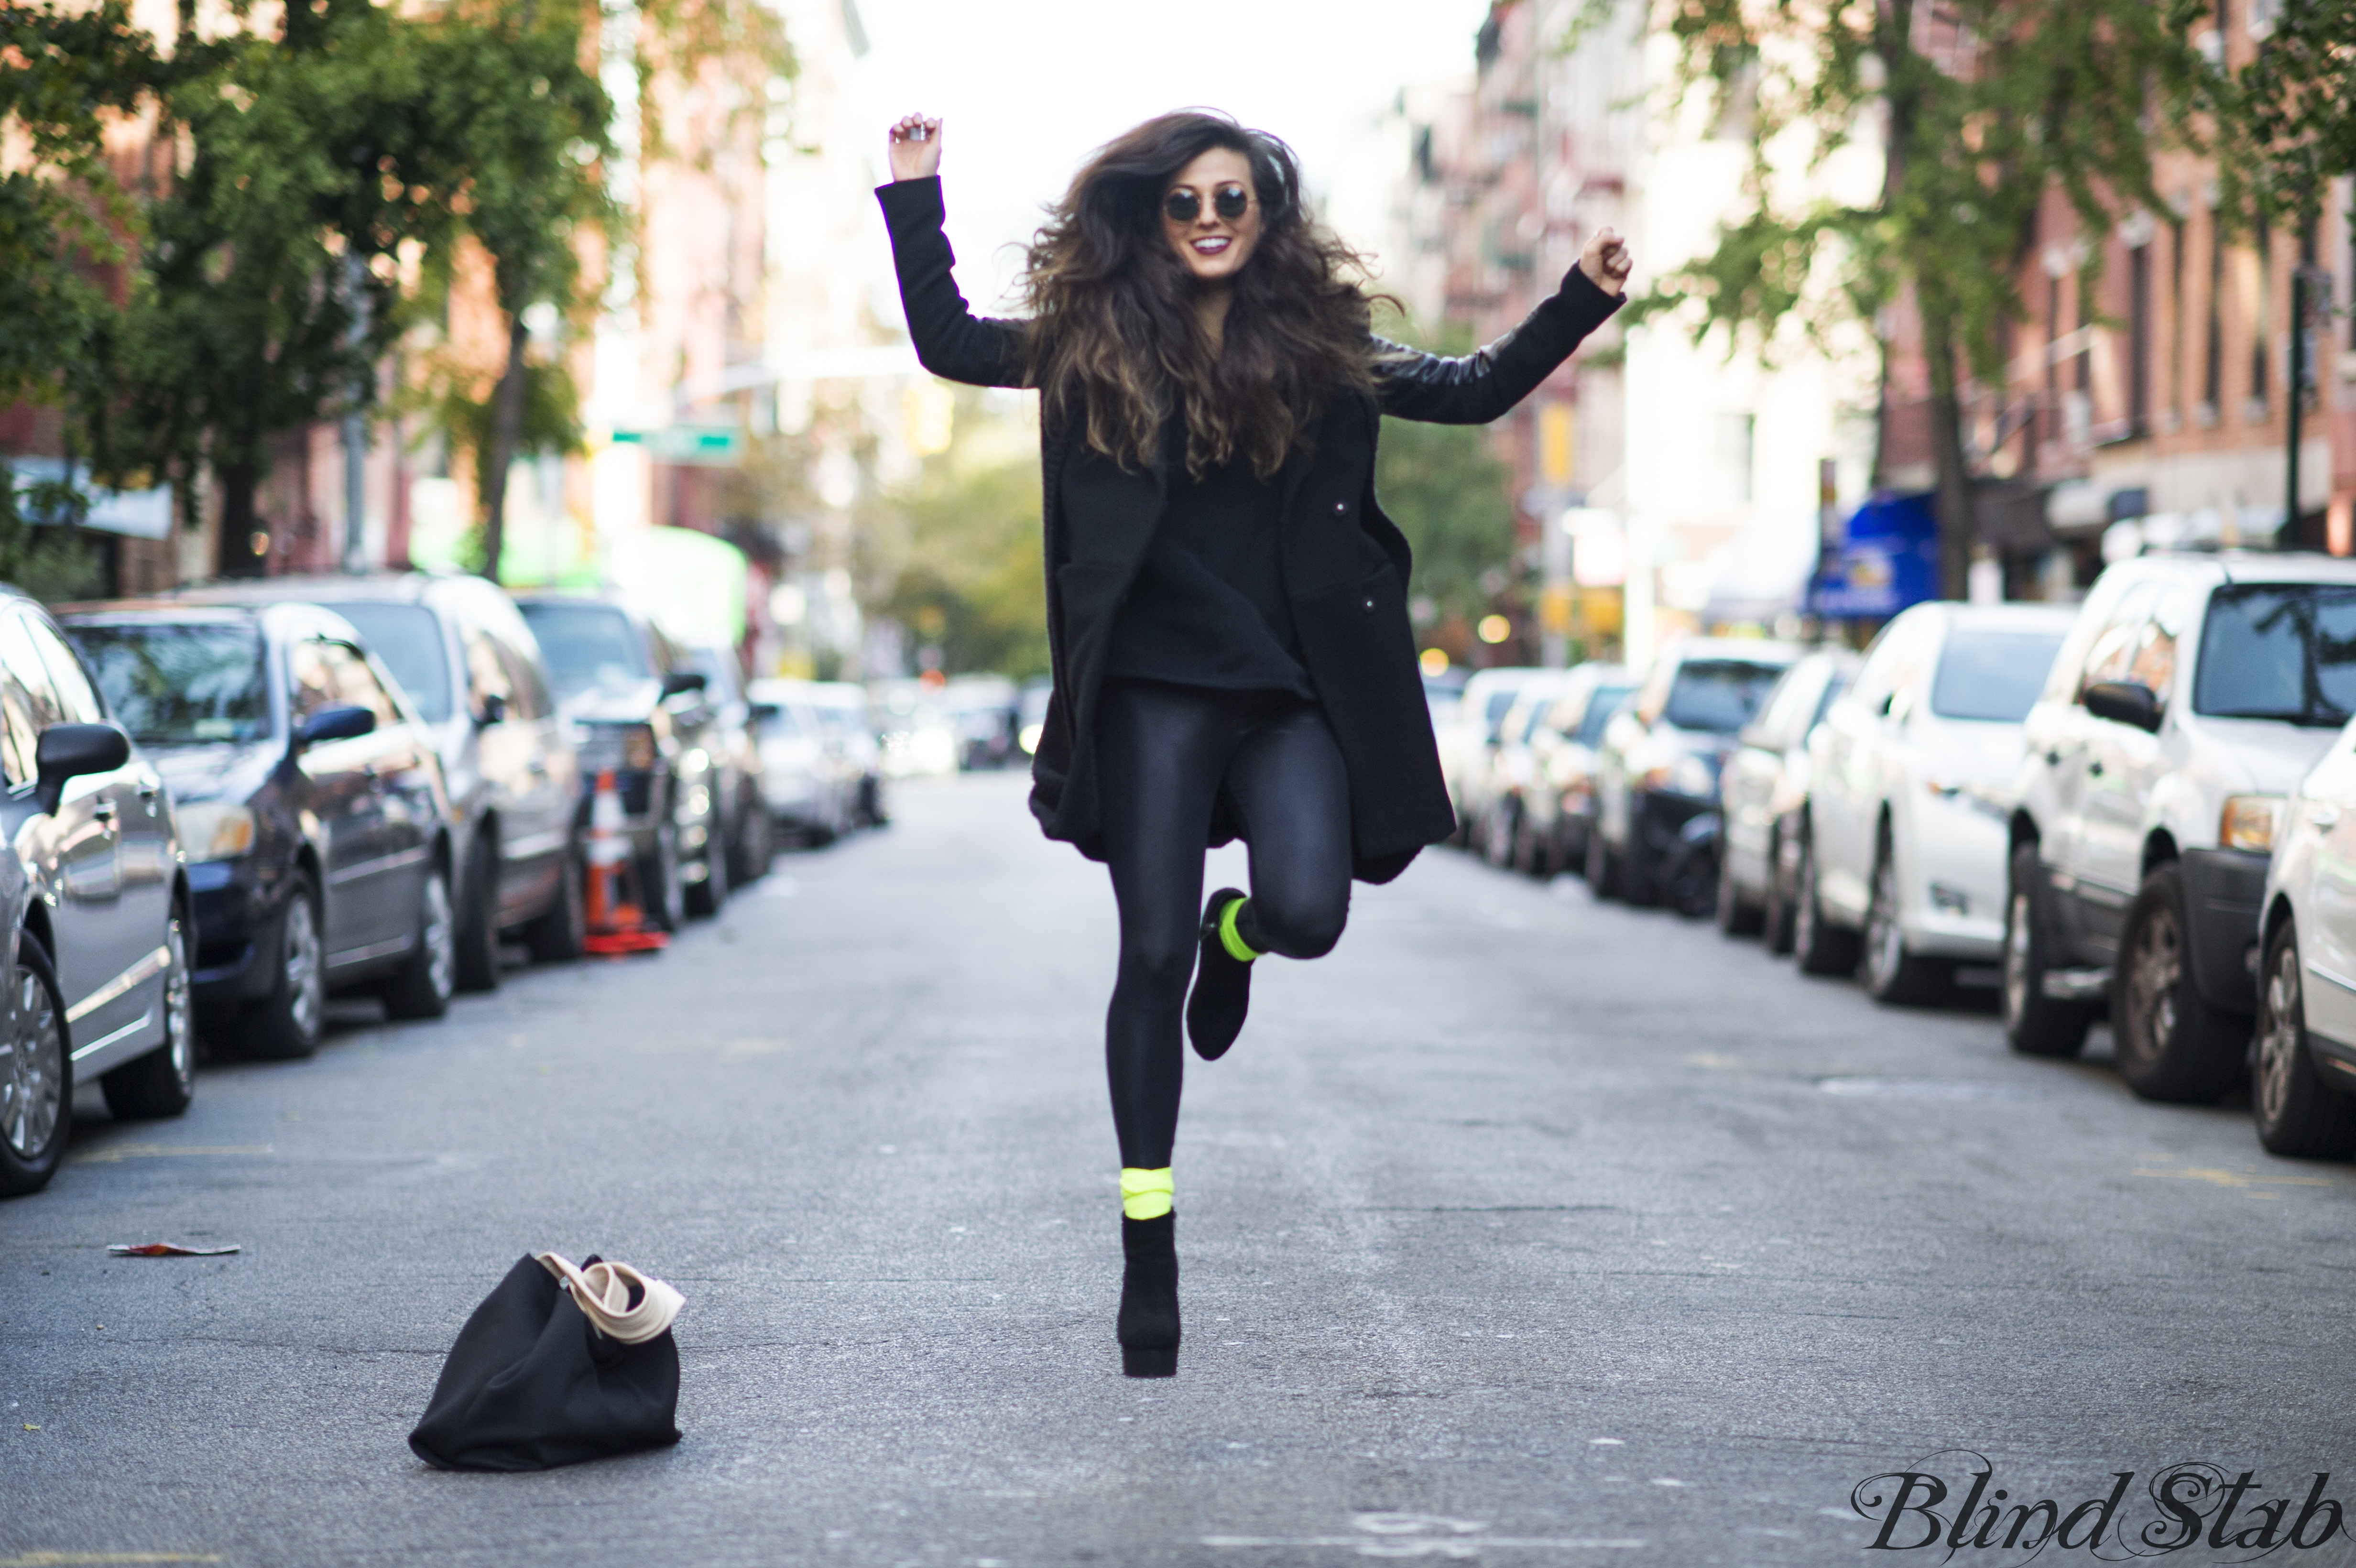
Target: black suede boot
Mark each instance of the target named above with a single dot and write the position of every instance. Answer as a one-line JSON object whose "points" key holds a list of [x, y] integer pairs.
{"points": [[1222, 995], [1147, 1325]]}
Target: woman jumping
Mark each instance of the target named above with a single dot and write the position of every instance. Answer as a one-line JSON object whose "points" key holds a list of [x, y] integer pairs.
{"points": [[1227, 603]]}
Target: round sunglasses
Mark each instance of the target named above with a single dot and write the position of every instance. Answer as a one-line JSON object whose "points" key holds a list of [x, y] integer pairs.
{"points": [[1185, 205]]}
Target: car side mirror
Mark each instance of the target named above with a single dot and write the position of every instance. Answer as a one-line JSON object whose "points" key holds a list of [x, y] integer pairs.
{"points": [[68, 751], [494, 711], [344, 721], [682, 680], [2124, 703]]}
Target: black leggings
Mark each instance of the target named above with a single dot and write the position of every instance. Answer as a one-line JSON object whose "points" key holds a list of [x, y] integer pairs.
{"points": [[1163, 752]]}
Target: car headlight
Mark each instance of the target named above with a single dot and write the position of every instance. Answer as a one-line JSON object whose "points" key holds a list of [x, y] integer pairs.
{"points": [[2250, 821], [215, 829], [1030, 736]]}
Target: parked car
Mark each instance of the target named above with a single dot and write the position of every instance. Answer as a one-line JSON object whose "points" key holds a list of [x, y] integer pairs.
{"points": [[638, 710], [1030, 713], [988, 712], [2302, 1062], [744, 823], [309, 795], [1764, 797], [810, 788], [98, 906], [1556, 813], [2190, 697], [472, 668], [1911, 780], [1496, 800], [1657, 766], [916, 729], [843, 707], [1467, 745]]}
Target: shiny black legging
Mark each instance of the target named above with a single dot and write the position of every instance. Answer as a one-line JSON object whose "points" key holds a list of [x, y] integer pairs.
{"points": [[1163, 752]]}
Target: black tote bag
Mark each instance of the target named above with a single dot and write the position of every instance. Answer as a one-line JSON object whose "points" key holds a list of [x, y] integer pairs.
{"points": [[535, 1381]]}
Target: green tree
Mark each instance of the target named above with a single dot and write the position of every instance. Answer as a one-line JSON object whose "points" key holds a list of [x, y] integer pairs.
{"points": [[270, 281], [1982, 106], [1449, 494], [971, 580], [520, 128], [65, 222], [2285, 122]]}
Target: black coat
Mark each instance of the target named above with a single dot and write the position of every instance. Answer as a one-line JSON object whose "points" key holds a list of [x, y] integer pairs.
{"points": [[1345, 565]]}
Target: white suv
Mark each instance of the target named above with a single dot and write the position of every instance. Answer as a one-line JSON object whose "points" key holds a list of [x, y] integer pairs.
{"points": [[2192, 696]]}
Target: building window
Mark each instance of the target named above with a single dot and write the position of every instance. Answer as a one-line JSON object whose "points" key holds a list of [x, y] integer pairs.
{"points": [[2213, 368], [2262, 327], [2139, 340], [2175, 319]]}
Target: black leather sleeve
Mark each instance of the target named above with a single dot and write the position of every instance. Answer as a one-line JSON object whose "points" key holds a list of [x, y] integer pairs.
{"points": [[951, 341], [1483, 385]]}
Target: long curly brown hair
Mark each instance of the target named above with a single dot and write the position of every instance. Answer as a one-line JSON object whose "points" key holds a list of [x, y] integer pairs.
{"points": [[1113, 340]]}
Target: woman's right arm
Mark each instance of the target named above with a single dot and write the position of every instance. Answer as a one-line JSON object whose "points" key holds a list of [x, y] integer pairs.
{"points": [[951, 341]]}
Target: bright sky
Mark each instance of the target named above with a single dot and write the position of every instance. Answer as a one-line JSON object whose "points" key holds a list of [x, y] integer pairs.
{"points": [[1030, 86]]}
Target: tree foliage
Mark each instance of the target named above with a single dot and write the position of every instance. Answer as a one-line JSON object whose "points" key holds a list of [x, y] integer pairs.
{"points": [[1981, 108], [970, 582], [1452, 495], [2285, 122]]}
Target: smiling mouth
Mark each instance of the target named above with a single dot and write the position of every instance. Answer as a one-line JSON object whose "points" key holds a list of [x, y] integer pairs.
{"points": [[1215, 245]]}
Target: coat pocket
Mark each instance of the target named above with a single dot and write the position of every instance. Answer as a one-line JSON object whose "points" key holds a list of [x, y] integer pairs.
{"points": [[1361, 653]]}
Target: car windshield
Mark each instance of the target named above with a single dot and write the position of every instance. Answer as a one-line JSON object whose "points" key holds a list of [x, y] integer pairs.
{"points": [[587, 645], [1718, 695], [408, 638], [179, 683], [2279, 650], [1990, 675], [1599, 709]]}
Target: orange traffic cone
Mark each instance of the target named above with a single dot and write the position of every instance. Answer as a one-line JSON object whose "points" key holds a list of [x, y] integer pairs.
{"points": [[617, 918]]}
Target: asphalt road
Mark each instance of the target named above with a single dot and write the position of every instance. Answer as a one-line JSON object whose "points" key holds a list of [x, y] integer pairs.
{"points": [[1519, 1231]]}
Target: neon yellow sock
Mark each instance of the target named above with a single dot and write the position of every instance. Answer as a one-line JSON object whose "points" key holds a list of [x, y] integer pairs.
{"points": [[1237, 948], [1145, 1194]]}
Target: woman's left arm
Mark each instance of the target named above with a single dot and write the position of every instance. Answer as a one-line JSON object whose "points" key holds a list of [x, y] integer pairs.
{"points": [[1485, 384]]}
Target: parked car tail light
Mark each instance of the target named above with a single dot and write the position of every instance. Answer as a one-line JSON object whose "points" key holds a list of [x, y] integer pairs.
{"points": [[215, 829], [2250, 821]]}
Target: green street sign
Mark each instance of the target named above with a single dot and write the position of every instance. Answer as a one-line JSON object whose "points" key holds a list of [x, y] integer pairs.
{"points": [[711, 445]]}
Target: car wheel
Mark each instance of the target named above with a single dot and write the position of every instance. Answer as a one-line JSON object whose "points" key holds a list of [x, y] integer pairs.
{"points": [[2172, 1045], [756, 844], [35, 1076], [2299, 1111], [476, 940], [1639, 875], [285, 1024], [1737, 916], [1529, 848], [1775, 908], [561, 934], [666, 900], [1889, 972], [1602, 870], [421, 987], [709, 896], [162, 1082], [2034, 1023], [1821, 947]]}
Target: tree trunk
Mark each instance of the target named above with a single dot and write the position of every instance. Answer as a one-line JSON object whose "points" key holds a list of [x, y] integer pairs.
{"points": [[237, 556], [1957, 524], [507, 429]]}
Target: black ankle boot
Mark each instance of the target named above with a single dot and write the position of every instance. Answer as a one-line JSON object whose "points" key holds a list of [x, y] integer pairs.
{"points": [[1147, 1325], [1222, 995]]}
